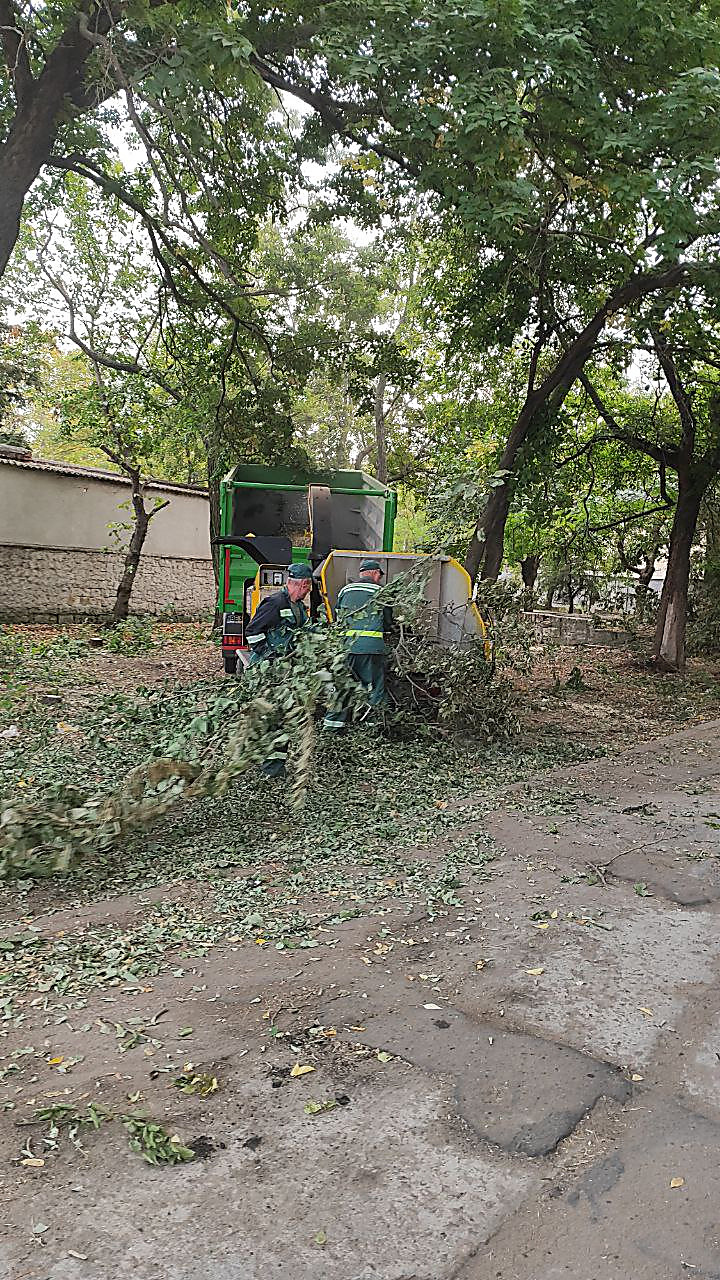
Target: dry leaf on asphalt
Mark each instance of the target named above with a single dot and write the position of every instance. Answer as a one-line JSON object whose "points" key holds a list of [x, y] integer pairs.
{"points": [[535, 973], [677, 1182]]}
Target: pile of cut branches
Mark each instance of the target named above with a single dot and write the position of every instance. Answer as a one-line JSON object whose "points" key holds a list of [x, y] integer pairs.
{"points": [[270, 712]]}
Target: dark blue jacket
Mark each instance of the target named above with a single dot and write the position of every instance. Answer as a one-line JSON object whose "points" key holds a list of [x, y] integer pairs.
{"points": [[273, 628]]}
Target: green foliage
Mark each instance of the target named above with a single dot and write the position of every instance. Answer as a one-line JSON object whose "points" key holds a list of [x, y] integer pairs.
{"points": [[65, 1115], [704, 622], [154, 1143], [460, 688], [241, 724], [192, 1081], [132, 636]]}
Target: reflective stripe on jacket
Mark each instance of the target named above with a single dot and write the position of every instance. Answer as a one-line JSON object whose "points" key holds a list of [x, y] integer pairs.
{"points": [[365, 621], [273, 627]]}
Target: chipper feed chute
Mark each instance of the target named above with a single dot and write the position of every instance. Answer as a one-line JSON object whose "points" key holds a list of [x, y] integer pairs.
{"points": [[452, 617]]}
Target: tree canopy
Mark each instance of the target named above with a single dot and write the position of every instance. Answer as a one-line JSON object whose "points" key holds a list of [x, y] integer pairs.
{"points": [[486, 214]]}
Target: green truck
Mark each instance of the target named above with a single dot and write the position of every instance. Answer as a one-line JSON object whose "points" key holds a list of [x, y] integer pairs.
{"points": [[271, 517]]}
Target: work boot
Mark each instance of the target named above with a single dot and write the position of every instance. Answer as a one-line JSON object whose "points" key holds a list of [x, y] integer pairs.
{"points": [[273, 769]]}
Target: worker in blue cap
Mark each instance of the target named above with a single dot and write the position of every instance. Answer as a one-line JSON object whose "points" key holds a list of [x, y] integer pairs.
{"points": [[366, 623], [273, 628], [272, 632]]}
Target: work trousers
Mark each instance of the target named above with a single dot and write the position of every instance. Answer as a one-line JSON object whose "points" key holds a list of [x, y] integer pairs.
{"points": [[369, 669]]}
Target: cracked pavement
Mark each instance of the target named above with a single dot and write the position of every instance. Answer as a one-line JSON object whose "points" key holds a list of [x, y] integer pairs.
{"points": [[526, 1087]]}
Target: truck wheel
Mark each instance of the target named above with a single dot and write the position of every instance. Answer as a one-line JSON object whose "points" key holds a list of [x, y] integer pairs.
{"points": [[230, 664]]}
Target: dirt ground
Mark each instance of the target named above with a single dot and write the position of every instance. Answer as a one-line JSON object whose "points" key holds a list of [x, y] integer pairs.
{"points": [[517, 1079]]}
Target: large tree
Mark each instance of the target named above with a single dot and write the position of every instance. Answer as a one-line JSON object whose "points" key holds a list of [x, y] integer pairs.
{"points": [[569, 148], [684, 442], [172, 75]]}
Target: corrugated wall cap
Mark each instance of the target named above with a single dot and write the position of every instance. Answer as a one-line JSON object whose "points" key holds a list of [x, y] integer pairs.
{"points": [[94, 473]]}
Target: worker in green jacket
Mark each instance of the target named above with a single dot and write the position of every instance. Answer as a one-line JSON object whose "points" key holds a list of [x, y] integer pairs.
{"points": [[366, 624], [272, 633]]}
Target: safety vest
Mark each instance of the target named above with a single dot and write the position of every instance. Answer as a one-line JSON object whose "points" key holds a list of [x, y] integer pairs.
{"points": [[363, 618]]}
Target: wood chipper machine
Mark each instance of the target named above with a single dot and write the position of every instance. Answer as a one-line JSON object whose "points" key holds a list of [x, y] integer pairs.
{"points": [[451, 616], [271, 517]]}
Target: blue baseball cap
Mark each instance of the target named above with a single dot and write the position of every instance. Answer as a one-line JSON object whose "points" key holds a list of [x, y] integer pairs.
{"points": [[300, 572]]}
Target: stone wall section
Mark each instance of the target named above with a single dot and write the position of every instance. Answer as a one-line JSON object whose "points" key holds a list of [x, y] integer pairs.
{"points": [[43, 584]]}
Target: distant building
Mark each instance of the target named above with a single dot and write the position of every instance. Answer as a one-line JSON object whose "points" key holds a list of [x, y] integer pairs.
{"points": [[60, 562]]}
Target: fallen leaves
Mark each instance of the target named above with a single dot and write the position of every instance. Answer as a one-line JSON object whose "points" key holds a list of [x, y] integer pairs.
{"points": [[202, 1083], [301, 1070], [535, 973], [313, 1108], [677, 1182]]}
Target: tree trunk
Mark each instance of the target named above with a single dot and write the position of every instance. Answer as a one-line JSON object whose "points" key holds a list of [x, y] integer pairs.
{"points": [[711, 572], [550, 595], [134, 551], [529, 568], [41, 107], [485, 552], [642, 587], [380, 432], [488, 540], [669, 648], [214, 462]]}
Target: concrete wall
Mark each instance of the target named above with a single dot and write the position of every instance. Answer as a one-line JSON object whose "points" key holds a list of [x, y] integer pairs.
{"points": [[69, 586], [576, 629], [50, 509], [59, 562]]}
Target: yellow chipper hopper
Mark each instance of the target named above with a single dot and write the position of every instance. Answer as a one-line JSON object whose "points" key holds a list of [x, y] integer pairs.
{"points": [[452, 617]]}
